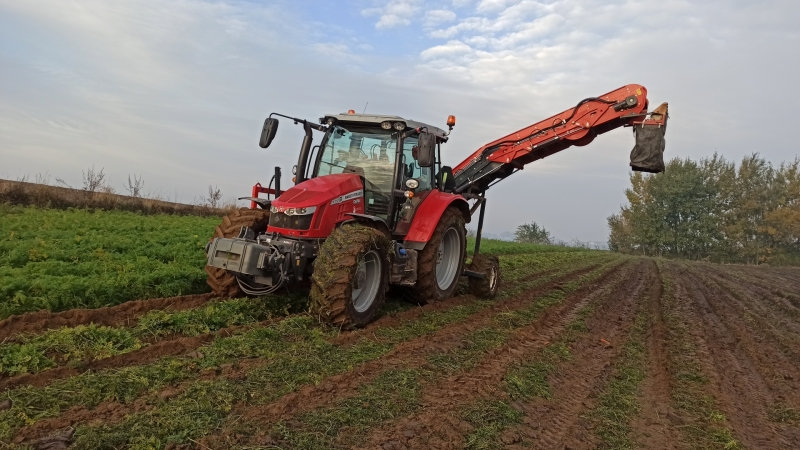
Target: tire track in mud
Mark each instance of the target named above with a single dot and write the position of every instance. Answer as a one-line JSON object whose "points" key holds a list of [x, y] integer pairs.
{"points": [[437, 424], [742, 394], [83, 414], [575, 386], [407, 355], [123, 314], [785, 275], [760, 349], [178, 346], [760, 321], [652, 428], [783, 299]]}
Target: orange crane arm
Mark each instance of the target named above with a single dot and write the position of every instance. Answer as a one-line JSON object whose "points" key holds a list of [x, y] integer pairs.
{"points": [[626, 106]]}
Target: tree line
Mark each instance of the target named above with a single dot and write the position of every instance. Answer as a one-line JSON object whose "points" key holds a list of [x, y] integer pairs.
{"points": [[713, 210]]}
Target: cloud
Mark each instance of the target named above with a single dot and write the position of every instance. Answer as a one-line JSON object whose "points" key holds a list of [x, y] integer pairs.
{"points": [[438, 16], [394, 13]]}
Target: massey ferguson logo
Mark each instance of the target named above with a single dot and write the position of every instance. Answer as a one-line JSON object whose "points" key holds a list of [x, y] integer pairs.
{"points": [[355, 194]]}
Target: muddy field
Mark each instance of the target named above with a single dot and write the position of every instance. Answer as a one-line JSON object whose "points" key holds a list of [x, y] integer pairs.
{"points": [[581, 350]]}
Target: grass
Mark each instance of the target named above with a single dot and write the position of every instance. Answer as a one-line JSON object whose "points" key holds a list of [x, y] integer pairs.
{"points": [[84, 342], [306, 358], [708, 426], [498, 247], [76, 345], [393, 394], [781, 413], [529, 379], [63, 259], [618, 404], [490, 418]]}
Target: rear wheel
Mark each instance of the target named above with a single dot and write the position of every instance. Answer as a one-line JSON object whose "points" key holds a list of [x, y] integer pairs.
{"points": [[487, 286], [442, 260], [223, 284], [351, 276]]}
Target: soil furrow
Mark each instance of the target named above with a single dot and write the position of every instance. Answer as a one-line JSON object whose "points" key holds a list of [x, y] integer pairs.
{"points": [[558, 422], [125, 314], [741, 392], [762, 347], [778, 303], [753, 320], [652, 428], [426, 428]]}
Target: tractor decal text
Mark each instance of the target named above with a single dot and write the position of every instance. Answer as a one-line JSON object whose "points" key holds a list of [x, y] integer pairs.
{"points": [[355, 194]]}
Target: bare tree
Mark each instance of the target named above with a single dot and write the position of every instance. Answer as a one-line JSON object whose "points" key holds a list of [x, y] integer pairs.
{"points": [[214, 197], [135, 186], [43, 178], [92, 179]]}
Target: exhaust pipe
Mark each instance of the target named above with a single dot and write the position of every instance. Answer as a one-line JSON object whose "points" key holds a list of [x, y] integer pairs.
{"points": [[648, 153]]}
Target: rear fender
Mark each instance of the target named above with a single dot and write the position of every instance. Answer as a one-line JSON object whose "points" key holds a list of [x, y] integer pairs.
{"points": [[428, 215]]}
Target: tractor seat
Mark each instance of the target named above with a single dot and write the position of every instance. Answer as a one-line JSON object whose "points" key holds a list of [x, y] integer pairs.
{"points": [[445, 179]]}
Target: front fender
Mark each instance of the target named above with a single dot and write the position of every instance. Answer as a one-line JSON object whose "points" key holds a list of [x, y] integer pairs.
{"points": [[428, 214]]}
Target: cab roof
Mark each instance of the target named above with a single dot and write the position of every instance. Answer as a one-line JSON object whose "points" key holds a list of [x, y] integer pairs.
{"points": [[376, 119]]}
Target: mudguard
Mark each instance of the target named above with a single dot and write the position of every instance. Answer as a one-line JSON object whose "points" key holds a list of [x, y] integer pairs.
{"points": [[428, 214]]}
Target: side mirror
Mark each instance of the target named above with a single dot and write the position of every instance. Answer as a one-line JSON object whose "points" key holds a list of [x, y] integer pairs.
{"points": [[426, 147], [268, 132]]}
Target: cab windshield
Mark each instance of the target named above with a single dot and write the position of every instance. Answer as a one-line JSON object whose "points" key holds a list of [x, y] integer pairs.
{"points": [[367, 152], [370, 152]]}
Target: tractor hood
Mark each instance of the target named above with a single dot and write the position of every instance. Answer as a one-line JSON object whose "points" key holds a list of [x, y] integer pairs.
{"points": [[319, 191]]}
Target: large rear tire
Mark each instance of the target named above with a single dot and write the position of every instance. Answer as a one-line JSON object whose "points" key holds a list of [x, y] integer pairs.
{"points": [[488, 286], [351, 276], [441, 261], [222, 283]]}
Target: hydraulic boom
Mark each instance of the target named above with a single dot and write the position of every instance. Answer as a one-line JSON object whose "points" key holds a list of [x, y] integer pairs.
{"points": [[626, 106]]}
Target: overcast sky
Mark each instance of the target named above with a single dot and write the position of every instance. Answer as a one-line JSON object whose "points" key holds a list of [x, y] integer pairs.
{"points": [[176, 91]]}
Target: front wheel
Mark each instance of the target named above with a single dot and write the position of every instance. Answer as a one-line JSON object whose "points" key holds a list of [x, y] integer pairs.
{"points": [[351, 276], [441, 261]]}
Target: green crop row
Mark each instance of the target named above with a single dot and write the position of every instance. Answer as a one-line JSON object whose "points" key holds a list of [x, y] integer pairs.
{"points": [[63, 259], [305, 342], [32, 354], [74, 345]]}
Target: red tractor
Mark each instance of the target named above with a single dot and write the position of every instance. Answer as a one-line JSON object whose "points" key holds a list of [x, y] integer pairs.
{"points": [[373, 205]]}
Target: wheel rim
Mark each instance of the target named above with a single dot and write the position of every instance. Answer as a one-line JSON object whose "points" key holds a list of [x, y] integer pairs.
{"points": [[367, 281], [447, 259]]}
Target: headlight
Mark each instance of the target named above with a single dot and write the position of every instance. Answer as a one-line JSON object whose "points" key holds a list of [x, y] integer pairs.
{"points": [[399, 126], [386, 125], [412, 183], [273, 209]]}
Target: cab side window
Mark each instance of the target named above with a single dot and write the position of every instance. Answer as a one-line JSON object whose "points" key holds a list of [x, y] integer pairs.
{"points": [[412, 169]]}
